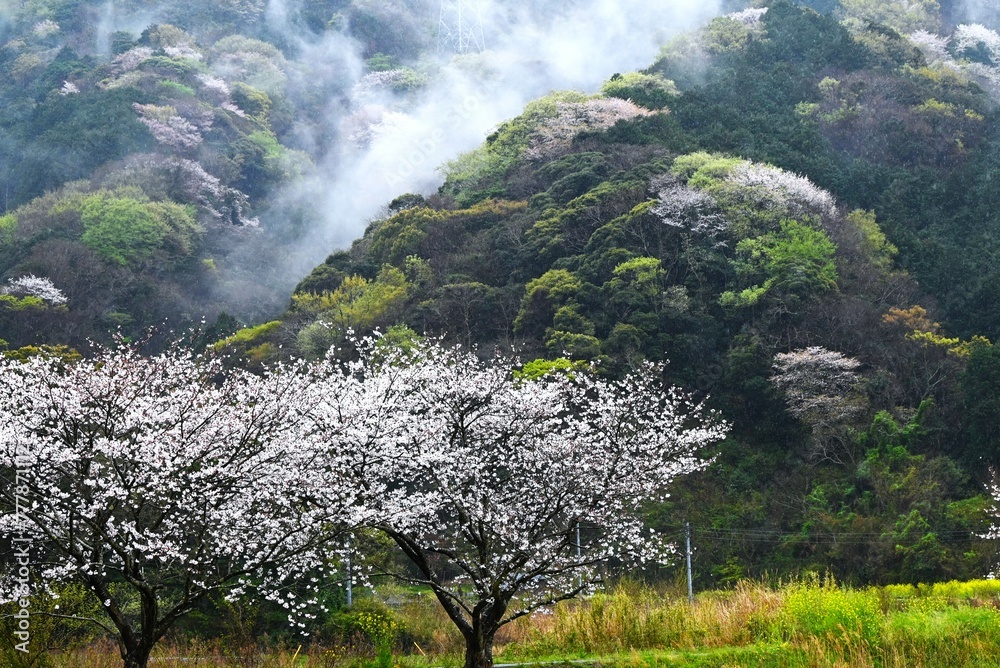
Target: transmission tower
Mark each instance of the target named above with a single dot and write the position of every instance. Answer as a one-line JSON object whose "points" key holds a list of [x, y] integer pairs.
{"points": [[461, 26]]}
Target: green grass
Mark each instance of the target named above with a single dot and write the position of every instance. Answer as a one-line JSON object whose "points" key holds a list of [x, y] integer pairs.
{"points": [[813, 622]]}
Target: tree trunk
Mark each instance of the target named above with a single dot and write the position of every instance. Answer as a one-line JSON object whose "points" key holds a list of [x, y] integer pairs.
{"points": [[478, 651], [137, 657]]}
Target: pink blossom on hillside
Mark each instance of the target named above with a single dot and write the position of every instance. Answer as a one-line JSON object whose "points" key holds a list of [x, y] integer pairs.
{"points": [[187, 181], [572, 118], [371, 122], [215, 86], [167, 128], [232, 108], [222, 202], [129, 60], [183, 51]]}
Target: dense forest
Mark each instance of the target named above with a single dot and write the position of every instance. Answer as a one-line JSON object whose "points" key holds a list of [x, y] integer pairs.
{"points": [[794, 204]]}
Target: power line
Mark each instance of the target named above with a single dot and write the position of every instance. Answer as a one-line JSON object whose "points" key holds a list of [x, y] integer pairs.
{"points": [[845, 537]]}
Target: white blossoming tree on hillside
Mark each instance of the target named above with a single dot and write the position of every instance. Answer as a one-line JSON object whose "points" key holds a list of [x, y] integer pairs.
{"points": [[158, 481], [823, 389], [522, 487], [35, 286], [557, 132]]}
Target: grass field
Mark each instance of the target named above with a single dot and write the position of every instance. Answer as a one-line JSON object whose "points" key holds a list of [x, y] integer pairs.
{"points": [[810, 622]]}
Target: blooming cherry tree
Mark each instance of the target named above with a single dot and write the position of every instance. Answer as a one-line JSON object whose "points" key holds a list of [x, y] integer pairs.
{"points": [[35, 286], [572, 118], [157, 481], [822, 388], [521, 487], [774, 188], [167, 127]]}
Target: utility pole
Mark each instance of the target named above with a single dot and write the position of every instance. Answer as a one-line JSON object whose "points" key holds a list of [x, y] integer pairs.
{"points": [[460, 27], [687, 536], [579, 578]]}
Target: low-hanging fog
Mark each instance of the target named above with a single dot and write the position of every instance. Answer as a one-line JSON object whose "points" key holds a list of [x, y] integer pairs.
{"points": [[532, 48]]}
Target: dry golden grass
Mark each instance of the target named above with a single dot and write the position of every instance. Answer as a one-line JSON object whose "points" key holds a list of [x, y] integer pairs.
{"points": [[806, 623]]}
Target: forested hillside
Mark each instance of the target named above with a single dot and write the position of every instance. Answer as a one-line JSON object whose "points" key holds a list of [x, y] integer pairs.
{"points": [[785, 206], [794, 205], [150, 152]]}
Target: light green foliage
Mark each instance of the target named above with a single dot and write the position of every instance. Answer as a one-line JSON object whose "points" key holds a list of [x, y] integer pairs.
{"points": [[251, 61], [26, 67], [399, 337], [536, 369], [23, 354], [316, 338], [486, 165], [255, 344], [358, 304], [163, 66], [268, 143], [128, 231], [542, 296], [470, 167], [238, 44], [59, 620], [511, 138], [639, 286], [166, 35], [653, 91], [881, 251], [280, 162], [249, 335], [572, 344], [408, 79], [27, 303], [804, 623], [399, 237], [174, 89], [702, 170], [793, 264], [252, 101], [381, 62], [840, 103], [8, 223], [643, 275], [569, 319]]}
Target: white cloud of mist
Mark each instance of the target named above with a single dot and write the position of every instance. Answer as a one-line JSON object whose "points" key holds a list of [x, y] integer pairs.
{"points": [[533, 48], [986, 12]]}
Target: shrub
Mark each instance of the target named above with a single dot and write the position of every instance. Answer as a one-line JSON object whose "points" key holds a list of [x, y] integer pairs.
{"points": [[653, 91], [129, 231]]}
